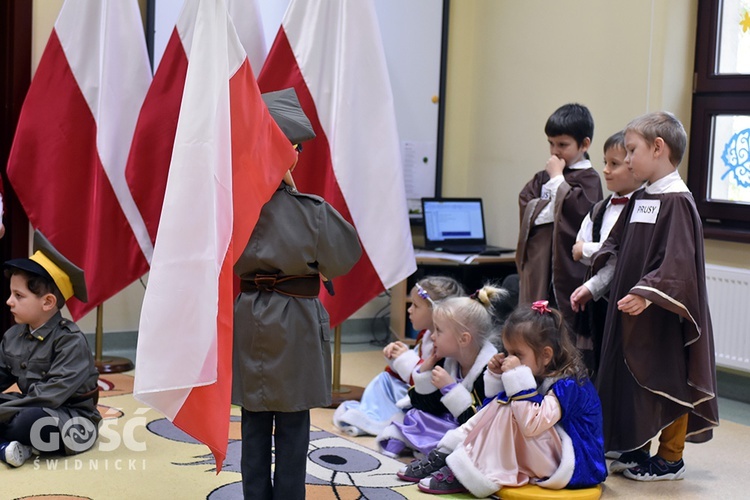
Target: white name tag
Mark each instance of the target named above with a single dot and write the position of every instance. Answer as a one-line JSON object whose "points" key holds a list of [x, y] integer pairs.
{"points": [[645, 211]]}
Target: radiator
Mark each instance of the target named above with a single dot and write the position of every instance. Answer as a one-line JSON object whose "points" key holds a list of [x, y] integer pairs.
{"points": [[729, 300]]}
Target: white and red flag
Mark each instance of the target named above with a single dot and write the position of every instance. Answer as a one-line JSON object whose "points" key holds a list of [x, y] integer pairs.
{"points": [[67, 162], [331, 52], [148, 164], [228, 158]]}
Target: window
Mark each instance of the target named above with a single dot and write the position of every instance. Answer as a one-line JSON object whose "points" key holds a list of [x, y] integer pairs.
{"points": [[719, 162]]}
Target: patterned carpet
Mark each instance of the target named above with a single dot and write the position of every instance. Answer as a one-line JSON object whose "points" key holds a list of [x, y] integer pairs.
{"points": [[142, 455]]}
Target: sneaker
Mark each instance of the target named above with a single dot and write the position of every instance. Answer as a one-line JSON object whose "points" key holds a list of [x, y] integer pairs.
{"points": [[420, 469], [656, 469], [14, 453], [628, 460], [442, 482]]}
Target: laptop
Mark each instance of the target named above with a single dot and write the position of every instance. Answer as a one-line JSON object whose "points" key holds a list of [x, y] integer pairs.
{"points": [[456, 225]]}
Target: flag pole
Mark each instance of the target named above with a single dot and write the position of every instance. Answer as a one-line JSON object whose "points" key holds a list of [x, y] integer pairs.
{"points": [[108, 364], [341, 393]]}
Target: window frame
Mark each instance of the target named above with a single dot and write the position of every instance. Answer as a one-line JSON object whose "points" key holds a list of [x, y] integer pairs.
{"points": [[714, 94]]}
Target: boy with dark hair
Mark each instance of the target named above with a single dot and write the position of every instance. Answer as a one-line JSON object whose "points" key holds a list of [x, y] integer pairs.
{"points": [[657, 373], [553, 204], [50, 360]]}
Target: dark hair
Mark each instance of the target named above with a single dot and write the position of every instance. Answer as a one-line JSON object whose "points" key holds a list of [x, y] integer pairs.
{"points": [[574, 120], [665, 125], [38, 285], [542, 329], [616, 140]]}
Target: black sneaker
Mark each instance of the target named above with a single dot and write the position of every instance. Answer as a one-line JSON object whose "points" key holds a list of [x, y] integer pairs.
{"points": [[420, 469], [656, 469], [442, 482], [628, 460]]}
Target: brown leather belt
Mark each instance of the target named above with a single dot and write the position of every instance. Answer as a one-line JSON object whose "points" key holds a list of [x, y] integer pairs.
{"points": [[305, 286]]}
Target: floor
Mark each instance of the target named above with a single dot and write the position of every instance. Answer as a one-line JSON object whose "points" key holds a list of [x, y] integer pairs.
{"points": [[714, 470]]}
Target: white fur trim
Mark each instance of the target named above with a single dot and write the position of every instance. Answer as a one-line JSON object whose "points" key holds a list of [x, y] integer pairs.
{"points": [[518, 379], [390, 432], [354, 422], [405, 364], [342, 423], [452, 440], [404, 403], [561, 478], [457, 400], [493, 384], [472, 478], [423, 381], [485, 355]]}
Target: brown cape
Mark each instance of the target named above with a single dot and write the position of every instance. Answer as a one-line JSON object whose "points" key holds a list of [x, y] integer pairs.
{"points": [[659, 365], [544, 252]]}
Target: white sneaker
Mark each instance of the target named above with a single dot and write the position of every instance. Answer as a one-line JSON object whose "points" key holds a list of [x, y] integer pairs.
{"points": [[16, 453]]}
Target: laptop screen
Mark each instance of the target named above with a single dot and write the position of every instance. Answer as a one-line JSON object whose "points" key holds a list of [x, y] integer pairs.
{"points": [[453, 221]]}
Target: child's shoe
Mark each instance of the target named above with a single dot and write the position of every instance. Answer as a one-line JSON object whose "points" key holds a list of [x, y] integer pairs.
{"points": [[628, 460], [14, 453], [420, 469], [442, 482], [656, 469]]}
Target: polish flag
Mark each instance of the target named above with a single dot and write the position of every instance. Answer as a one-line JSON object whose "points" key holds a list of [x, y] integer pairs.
{"points": [[330, 51], [67, 162], [148, 164], [228, 158]]}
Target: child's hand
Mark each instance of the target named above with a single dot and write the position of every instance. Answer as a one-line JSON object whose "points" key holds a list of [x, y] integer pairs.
{"points": [[429, 363], [555, 166], [510, 363], [441, 378], [579, 297], [578, 251], [496, 362], [632, 304], [394, 350]]}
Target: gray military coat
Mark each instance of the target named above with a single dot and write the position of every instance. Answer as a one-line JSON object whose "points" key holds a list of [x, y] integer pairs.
{"points": [[54, 369], [282, 353]]}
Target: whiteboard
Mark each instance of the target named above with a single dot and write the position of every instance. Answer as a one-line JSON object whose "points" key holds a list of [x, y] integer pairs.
{"points": [[412, 34]]}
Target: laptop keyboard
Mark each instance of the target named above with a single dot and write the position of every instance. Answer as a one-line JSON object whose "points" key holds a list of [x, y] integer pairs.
{"points": [[463, 249]]}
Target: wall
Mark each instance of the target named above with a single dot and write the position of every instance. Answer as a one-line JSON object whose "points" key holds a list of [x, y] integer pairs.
{"points": [[510, 65]]}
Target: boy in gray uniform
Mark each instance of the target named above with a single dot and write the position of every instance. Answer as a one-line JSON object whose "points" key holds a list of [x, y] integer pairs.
{"points": [[50, 360], [282, 352]]}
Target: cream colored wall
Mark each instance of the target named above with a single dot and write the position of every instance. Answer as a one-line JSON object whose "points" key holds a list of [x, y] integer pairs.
{"points": [[512, 63]]}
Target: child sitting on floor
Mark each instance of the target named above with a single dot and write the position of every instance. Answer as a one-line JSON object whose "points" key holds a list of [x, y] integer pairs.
{"points": [[544, 426], [448, 386], [48, 357], [379, 401]]}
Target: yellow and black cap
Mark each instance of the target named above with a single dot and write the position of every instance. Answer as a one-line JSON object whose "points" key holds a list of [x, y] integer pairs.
{"points": [[48, 262]]}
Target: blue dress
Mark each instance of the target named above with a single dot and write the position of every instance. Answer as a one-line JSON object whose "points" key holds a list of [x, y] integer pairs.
{"points": [[386, 396]]}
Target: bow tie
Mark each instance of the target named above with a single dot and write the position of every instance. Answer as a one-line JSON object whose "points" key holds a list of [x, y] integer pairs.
{"points": [[620, 200]]}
